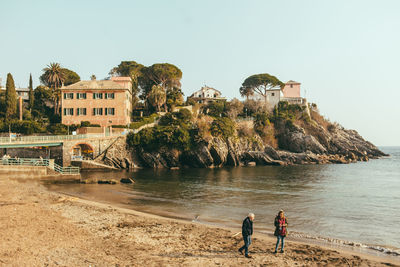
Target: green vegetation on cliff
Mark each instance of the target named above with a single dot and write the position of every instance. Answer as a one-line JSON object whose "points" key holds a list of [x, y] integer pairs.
{"points": [[174, 130]]}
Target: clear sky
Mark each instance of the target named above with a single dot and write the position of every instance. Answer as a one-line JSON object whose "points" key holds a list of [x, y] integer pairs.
{"points": [[346, 53]]}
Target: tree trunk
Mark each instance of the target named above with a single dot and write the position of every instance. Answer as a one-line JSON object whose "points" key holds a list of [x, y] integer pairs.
{"points": [[55, 107]]}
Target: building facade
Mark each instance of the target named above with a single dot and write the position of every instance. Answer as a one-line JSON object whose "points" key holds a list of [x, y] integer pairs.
{"points": [[103, 102], [289, 93], [207, 94], [291, 89]]}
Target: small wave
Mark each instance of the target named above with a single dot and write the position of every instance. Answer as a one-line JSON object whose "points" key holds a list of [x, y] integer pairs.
{"points": [[384, 250]]}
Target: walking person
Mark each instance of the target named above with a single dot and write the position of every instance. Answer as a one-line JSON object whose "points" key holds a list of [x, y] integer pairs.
{"points": [[247, 231], [280, 230]]}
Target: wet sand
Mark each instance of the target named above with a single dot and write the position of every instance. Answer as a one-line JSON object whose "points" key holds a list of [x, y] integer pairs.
{"points": [[43, 228]]}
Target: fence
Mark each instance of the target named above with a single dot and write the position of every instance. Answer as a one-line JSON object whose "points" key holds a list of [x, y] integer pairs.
{"points": [[47, 138], [40, 162]]}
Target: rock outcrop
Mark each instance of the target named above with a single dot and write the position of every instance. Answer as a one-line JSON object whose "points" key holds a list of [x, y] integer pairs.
{"points": [[298, 145]]}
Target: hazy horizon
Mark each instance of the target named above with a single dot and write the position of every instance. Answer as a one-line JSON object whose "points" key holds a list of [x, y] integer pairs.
{"points": [[345, 53]]}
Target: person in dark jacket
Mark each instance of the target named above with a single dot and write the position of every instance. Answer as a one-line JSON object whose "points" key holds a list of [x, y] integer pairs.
{"points": [[280, 230], [247, 231]]}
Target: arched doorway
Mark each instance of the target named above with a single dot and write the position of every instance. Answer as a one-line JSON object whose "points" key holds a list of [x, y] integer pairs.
{"points": [[82, 152]]}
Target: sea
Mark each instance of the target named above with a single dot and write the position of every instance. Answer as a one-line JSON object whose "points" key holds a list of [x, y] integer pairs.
{"points": [[355, 205]]}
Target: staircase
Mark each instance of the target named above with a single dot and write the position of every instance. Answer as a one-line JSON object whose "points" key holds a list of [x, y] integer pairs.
{"points": [[49, 163]]}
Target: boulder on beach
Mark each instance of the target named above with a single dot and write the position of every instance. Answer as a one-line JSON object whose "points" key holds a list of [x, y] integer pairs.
{"points": [[127, 181]]}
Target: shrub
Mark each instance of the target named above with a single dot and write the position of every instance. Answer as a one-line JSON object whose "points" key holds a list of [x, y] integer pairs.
{"points": [[245, 129], [173, 137], [318, 118], [143, 121], [286, 111], [151, 139], [234, 108], [119, 126], [190, 102], [23, 127], [215, 109], [180, 117], [223, 127], [265, 129], [184, 115], [57, 129], [252, 106], [27, 115], [88, 124], [203, 127], [85, 123]]}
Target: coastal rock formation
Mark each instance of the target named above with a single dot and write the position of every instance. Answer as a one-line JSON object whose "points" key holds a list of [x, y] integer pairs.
{"points": [[295, 139], [297, 146], [311, 144]]}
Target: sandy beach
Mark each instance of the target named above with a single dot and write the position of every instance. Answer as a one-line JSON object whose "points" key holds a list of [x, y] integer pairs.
{"points": [[42, 228]]}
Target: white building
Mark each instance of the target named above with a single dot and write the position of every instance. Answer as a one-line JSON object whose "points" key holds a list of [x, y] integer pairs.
{"points": [[290, 92], [207, 94], [273, 96]]}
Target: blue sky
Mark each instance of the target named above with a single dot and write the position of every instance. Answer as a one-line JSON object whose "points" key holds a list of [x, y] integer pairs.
{"points": [[345, 53]]}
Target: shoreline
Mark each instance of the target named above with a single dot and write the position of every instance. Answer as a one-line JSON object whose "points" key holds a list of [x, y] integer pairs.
{"points": [[41, 227], [349, 246]]}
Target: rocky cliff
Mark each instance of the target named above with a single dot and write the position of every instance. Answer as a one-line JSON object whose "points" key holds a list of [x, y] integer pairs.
{"points": [[297, 145]]}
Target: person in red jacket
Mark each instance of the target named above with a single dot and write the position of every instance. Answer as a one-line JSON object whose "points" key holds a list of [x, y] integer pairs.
{"points": [[280, 230]]}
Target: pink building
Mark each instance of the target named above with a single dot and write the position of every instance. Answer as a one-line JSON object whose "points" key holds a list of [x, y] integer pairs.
{"points": [[104, 102], [291, 89]]}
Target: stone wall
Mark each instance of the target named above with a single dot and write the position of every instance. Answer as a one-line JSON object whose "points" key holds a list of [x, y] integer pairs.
{"points": [[117, 155], [23, 171], [99, 145]]}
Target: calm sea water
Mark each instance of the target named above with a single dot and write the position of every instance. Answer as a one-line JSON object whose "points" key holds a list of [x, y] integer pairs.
{"points": [[356, 202]]}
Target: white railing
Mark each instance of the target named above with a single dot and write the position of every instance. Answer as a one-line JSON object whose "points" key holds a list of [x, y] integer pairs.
{"points": [[49, 138], [39, 162], [294, 100]]}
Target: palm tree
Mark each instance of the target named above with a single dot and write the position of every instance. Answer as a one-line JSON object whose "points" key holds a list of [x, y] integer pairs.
{"points": [[54, 78], [157, 96]]}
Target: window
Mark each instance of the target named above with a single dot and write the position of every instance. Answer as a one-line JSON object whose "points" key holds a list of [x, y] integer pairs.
{"points": [[272, 94], [81, 111], [97, 95], [97, 111], [80, 95], [68, 95], [109, 95], [109, 111], [68, 111]]}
